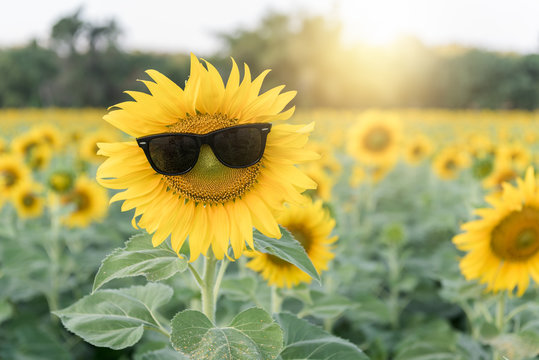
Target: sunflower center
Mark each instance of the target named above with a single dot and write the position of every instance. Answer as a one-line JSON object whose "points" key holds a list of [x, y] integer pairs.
{"points": [[82, 201], [9, 177], [417, 150], [60, 181], [210, 181], [450, 165], [28, 200], [377, 139], [516, 237]]}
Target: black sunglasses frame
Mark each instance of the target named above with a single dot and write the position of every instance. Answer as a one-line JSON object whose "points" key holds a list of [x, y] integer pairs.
{"points": [[204, 139]]}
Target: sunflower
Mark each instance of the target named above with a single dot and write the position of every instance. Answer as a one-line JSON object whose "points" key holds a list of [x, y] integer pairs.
{"points": [[89, 200], [24, 144], [13, 172], [503, 172], [49, 135], [375, 138], [61, 181], [322, 180], [311, 225], [503, 246], [27, 200], [417, 149], [515, 153], [212, 204], [39, 157], [88, 146], [448, 163]]}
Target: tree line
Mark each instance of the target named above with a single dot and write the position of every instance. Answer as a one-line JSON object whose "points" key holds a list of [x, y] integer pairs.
{"points": [[83, 65]]}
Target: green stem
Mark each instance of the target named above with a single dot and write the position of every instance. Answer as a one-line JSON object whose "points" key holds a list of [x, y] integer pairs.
{"points": [[276, 301], [196, 275], [220, 274], [208, 297], [500, 322]]}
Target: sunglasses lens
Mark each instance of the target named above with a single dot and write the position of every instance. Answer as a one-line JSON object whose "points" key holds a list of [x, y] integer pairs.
{"points": [[239, 147], [173, 154]]}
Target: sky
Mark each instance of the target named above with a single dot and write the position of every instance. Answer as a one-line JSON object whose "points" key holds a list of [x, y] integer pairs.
{"points": [[192, 25]]}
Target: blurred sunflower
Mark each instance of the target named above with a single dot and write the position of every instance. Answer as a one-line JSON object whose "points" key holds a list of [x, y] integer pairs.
{"points": [[417, 149], [322, 180], [515, 153], [24, 144], [212, 204], [49, 135], [375, 138], [90, 201], [503, 246], [39, 157], [311, 225], [13, 172], [27, 200], [61, 181], [449, 162], [88, 148], [503, 172]]}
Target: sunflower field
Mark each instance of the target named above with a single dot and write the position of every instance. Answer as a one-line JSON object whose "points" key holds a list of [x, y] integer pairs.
{"points": [[369, 234]]}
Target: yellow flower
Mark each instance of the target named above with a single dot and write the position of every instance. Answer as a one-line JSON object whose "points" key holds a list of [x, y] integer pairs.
{"points": [[24, 144], [39, 157], [417, 149], [61, 181], [13, 172], [448, 163], [311, 225], [27, 200], [503, 246], [89, 200], [48, 135], [503, 172], [88, 149], [375, 138], [323, 182], [516, 154], [212, 204]]}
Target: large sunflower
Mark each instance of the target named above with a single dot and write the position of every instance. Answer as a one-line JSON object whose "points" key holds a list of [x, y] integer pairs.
{"points": [[311, 225], [375, 138], [212, 204], [503, 246]]}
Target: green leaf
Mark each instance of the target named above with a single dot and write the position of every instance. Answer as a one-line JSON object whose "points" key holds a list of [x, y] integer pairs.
{"points": [[252, 334], [327, 306], [524, 344], [162, 354], [286, 248], [302, 340], [116, 318], [6, 310], [238, 288], [139, 257]]}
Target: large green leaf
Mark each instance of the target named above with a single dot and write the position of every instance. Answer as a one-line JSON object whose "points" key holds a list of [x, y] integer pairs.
{"points": [[286, 248], [161, 354], [302, 340], [252, 334], [327, 306], [116, 318], [139, 257]]}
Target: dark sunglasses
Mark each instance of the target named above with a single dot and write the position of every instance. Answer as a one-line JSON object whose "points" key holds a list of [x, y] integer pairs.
{"points": [[177, 153]]}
